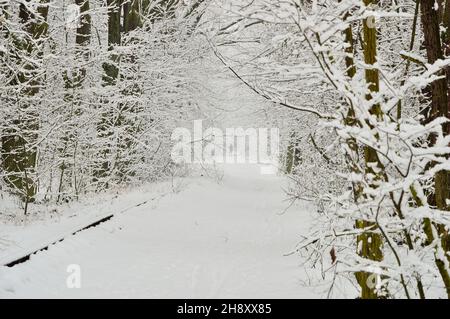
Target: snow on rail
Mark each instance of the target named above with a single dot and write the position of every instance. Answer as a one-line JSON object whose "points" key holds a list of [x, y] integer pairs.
{"points": [[16, 257], [23, 254]]}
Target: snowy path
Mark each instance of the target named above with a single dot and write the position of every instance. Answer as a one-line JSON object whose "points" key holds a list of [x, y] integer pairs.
{"points": [[211, 240]]}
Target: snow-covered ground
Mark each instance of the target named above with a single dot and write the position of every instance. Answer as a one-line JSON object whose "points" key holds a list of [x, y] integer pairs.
{"points": [[211, 239], [192, 237]]}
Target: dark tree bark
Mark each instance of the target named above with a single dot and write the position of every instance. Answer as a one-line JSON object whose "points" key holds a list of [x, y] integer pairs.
{"points": [[73, 81], [370, 243], [111, 69], [83, 36], [111, 74], [439, 108], [82, 40], [132, 15], [19, 151]]}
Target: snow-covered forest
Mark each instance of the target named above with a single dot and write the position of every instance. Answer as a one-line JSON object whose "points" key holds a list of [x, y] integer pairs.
{"points": [[132, 135]]}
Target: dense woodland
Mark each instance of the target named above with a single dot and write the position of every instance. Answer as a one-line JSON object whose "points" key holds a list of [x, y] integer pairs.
{"points": [[91, 91]]}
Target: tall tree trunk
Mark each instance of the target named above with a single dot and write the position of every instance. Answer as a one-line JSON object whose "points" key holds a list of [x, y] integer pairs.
{"points": [[132, 15], [19, 152], [74, 81], [111, 69], [370, 243], [443, 177], [83, 36], [110, 77], [439, 108]]}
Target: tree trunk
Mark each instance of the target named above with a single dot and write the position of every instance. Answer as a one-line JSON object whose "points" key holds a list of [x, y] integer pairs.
{"points": [[370, 243], [132, 14], [19, 152], [439, 108], [442, 180], [73, 81], [111, 69], [83, 36], [111, 74]]}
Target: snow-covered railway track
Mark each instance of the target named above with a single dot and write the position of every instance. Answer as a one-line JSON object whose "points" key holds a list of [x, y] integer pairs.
{"points": [[22, 256], [27, 256]]}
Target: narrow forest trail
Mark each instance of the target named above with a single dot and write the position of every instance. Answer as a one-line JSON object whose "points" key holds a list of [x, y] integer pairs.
{"points": [[210, 240]]}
